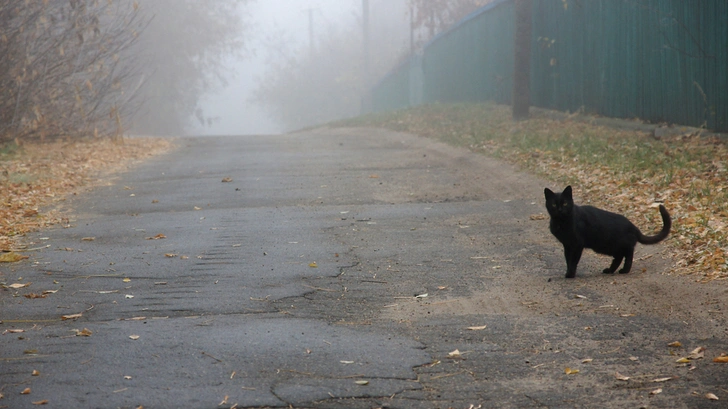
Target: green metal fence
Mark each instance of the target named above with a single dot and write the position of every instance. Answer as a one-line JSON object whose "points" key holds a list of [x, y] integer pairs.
{"points": [[658, 60]]}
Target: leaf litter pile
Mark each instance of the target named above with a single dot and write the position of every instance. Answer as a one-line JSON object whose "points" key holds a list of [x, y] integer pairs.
{"points": [[628, 171], [36, 177]]}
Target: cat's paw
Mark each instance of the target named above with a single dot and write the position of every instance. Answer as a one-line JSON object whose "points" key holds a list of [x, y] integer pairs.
{"points": [[623, 271], [571, 275], [608, 271]]}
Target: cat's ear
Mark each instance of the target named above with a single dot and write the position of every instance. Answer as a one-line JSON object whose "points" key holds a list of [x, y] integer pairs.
{"points": [[548, 193], [567, 192]]}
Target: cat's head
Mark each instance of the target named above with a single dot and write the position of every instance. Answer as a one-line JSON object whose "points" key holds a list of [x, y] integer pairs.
{"points": [[559, 205]]}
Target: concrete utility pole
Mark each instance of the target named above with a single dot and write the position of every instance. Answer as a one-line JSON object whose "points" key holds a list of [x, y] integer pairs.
{"points": [[366, 99], [310, 29], [365, 33]]}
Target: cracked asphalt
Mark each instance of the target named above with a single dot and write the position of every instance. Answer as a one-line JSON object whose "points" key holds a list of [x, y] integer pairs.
{"points": [[355, 268]]}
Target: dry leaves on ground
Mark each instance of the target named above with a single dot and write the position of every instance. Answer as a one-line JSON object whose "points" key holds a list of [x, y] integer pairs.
{"points": [[39, 175]]}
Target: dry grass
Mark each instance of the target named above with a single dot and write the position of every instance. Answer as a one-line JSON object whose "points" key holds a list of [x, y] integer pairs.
{"points": [[35, 176], [625, 171]]}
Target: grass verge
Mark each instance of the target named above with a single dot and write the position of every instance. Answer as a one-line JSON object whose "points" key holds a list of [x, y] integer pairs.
{"points": [[625, 171]]}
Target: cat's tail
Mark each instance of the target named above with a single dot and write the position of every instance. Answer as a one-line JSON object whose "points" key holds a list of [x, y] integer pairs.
{"points": [[666, 224]]}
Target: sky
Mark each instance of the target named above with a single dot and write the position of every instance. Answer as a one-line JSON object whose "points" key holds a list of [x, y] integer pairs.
{"points": [[236, 115]]}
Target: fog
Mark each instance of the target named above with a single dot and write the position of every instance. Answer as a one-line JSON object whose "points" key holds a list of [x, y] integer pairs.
{"points": [[282, 27]]}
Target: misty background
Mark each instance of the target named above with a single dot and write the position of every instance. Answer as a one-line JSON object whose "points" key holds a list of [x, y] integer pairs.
{"points": [[305, 61], [180, 67]]}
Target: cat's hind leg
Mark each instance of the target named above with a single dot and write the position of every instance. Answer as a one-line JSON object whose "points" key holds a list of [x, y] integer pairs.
{"points": [[615, 264], [627, 261]]}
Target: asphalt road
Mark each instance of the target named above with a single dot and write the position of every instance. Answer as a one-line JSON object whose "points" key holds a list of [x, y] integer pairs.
{"points": [[342, 268]]}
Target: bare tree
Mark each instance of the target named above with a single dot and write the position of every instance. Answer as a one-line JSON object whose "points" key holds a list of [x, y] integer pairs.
{"points": [[61, 72]]}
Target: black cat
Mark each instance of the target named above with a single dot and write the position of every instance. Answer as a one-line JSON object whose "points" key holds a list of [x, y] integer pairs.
{"points": [[580, 227]]}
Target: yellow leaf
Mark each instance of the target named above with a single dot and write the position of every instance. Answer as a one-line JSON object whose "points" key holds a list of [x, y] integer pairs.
{"points": [[313, 264], [35, 372], [683, 360], [71, 316], [25, 391], [126, 279], [477, 328], [711, 396], [16, 286], [361, 382], [570, 371], [83, 333], [675, 344], [723, 359], [11, 257], [134, 337], [40, 402]]}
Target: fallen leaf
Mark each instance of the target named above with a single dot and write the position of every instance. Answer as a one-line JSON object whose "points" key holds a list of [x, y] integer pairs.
{"points": [[71, 316], [587, 361], [14, 331], [656, 391], [170, 255], [35, 372], [675, 344], [83, 333], [11, 257], [126, 280], [313, 264], [134, 337], [128, 296], [30, 351], [421, 295], [49, 292], [88, 238], [697, 353], [361, 382], [539, 216], [454, 354], [711, 396], [34, 295], [477, 328], [570, 371], [15, 286], [634, 358], [197, 208], [683, 360], [127, 377], [227, 179], [621, 377], [25, 391], [157, 237], [347, 362], [722, 359], [30, 213], [579, 296], [40, 402], [662, 379], [375, 176]]}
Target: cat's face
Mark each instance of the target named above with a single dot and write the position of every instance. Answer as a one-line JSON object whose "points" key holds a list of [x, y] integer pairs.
{"points": [[559, 205]]}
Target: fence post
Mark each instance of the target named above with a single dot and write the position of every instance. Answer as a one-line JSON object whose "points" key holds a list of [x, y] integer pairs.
{"points": [[521, 98]]}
